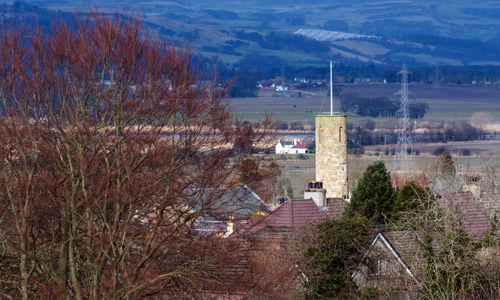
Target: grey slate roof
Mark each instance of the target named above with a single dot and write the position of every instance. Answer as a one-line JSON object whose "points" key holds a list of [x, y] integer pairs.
{"points": [[240, 203], [409, 246], [405, 249]]}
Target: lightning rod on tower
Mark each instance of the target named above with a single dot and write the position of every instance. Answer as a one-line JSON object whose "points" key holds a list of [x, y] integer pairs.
{"points": [[331, 89]]}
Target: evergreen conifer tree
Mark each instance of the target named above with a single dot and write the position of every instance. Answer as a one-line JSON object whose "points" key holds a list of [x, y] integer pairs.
{"points": [[411, 197], [374, 196]]}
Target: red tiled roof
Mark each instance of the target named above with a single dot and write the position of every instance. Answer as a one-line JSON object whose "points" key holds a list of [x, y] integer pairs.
{"points": [[300, 146], [466, 212], [293, 213]]}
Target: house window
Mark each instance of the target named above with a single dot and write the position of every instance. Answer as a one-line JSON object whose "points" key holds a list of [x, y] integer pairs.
{"points": [[320, 135], [381, 266], [340, 134]]}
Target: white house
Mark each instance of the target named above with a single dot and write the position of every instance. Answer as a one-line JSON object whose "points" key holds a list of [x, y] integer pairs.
{"points": [[281, 88], [299, 149], [285, 147]]}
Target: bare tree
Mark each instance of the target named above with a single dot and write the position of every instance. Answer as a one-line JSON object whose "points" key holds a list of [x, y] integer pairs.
{"points": [[108, 137], [491, 176], [457, 243]]}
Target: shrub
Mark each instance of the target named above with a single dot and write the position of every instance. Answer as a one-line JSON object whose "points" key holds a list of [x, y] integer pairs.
{"points": [[283, 125]]}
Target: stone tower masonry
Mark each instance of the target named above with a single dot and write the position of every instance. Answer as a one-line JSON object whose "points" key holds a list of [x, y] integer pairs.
{"points": [[331, 154]]}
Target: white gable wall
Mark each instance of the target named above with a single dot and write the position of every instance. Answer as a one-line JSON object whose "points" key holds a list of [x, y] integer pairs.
{"points": [[285, 147]]}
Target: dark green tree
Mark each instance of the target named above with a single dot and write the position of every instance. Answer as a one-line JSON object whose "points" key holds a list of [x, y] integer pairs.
{"points": [[244, 84], [333, 256], [374, 196], [411, 197], [312, 147]]}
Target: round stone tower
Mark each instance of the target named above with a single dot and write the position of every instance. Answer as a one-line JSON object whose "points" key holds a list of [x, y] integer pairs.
{"points": [[331, 154]]}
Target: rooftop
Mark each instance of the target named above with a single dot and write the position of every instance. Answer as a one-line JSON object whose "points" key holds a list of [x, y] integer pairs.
{"points": [[240, 203], [293, 213], [467, 212]]}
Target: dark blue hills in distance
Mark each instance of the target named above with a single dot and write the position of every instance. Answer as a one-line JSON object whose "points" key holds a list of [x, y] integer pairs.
{"points": [[420, 33]]}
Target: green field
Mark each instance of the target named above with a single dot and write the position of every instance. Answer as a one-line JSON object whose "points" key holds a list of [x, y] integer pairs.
{"points": [[457, 111], [453, 103], [298, 171]]}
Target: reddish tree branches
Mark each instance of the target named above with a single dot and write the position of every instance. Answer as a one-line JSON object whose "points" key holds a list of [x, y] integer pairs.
{"points": [[106, 134]]}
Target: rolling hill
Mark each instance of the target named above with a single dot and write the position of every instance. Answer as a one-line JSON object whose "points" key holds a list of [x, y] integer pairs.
{"points": [[382, 32]]}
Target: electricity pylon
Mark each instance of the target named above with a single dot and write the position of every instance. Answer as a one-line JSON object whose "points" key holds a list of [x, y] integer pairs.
{"points": [[403, 159]]}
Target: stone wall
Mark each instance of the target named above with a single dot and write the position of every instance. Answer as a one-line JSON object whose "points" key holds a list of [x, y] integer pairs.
{"points": [[331, 154]]}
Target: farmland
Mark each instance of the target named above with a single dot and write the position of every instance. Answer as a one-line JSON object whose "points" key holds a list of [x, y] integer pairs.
{"points": [[449, 103]]}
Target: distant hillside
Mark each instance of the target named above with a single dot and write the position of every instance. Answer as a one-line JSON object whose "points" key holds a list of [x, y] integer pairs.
{"points": [[412, 32]]}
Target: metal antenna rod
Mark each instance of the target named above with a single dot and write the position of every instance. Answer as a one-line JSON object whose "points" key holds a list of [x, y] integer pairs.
{"points": [[331, 89]]}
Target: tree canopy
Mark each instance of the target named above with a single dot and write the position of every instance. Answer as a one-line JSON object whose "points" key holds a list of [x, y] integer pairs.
{"points": [[411, 197], [333, 255], [374, 195], [378, 107], [109, 137]]}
